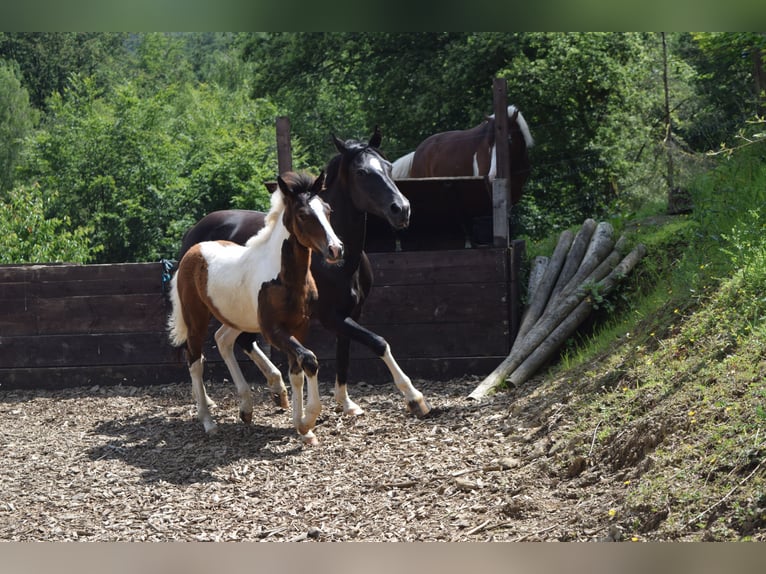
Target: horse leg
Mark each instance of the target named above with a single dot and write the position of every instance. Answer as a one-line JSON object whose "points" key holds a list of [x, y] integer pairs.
{"points": [[299, 421], [197, 330], [313, 407], [414, 399], [198, 391], [208, 401], [271, 372], [224, 338], [302, 362], [349, 407]]}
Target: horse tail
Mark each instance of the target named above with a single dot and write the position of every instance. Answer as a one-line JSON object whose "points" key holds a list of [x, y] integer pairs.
{"points": [[402, 166], [178, 332]]}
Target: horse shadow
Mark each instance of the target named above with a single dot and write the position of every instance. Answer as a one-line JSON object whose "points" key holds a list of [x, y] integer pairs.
{"points": [[177, 450]]}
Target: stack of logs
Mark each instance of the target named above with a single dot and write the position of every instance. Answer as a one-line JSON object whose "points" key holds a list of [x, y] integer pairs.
{"points": [[561, 292]]}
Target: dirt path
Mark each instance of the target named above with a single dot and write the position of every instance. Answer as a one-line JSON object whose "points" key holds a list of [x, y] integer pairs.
{"points": [[133, 464]]}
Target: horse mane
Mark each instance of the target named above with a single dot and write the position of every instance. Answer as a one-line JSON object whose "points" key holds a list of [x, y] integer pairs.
{"points": [[275, 212], [299, 182], [332, 170], [522, 123], [333, 167]]}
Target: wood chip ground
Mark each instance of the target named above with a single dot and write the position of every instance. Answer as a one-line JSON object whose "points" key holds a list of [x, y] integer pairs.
{"points": [[125, 463]]}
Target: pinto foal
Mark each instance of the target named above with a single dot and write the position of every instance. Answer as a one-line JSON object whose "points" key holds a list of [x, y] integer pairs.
{"points": [[262, 287]]}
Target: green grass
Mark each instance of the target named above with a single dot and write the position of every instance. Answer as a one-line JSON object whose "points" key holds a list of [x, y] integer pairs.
{"points": [[677, 365]]}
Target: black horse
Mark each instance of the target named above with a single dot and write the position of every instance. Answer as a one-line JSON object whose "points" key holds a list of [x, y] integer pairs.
{"points": [[358, 182]]}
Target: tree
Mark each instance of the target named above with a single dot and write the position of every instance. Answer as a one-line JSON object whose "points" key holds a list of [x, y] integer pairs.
{"points": [[47, 59], [140, 168], [17, 119], [593, 101], [29, 235], [726, 82]]}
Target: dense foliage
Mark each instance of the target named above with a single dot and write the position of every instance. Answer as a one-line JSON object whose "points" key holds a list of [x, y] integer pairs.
{"points": [[123, 140]]}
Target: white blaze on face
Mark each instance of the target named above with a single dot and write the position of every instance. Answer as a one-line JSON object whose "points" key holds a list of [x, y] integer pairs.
{"points": [[376, 165], [318, 208]]}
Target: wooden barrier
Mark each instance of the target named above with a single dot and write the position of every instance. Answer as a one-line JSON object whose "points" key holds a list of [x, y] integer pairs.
{"points": [[445, 313]]}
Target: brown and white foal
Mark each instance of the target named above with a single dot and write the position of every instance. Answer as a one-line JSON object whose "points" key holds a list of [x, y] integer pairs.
{"points": [[262, 287]]}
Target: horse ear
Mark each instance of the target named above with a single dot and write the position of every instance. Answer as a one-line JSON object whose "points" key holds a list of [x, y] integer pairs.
{"points": [[287, 191], [318, 184], [340, 145], [376, 138]]}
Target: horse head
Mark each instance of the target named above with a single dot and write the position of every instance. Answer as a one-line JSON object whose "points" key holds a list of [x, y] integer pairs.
{"points": [[307, 216], [366, 175]]}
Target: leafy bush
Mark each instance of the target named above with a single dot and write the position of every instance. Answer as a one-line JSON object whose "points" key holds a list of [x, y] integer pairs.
{"points": [[140, 168], [27, 235]]}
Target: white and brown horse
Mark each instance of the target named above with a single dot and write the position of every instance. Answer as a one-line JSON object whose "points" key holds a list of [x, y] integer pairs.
{"points": [[471, 152], [262, 287], [358, 183]]}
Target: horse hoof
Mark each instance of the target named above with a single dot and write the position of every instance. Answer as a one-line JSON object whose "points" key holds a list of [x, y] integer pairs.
{"points": [[309, 439], [281, 400], [354, 411], [211, 429], [247, 418], [419, 407]]}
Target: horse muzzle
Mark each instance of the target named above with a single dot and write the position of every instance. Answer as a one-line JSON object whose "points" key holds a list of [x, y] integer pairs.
{"points": [[399, 215], [334, 253]]}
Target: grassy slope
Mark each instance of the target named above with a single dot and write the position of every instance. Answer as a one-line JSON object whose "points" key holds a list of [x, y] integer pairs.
{"points": [[669, 395]]}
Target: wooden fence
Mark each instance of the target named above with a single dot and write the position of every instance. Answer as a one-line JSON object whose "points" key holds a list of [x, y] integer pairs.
{"points": [[445, 313]]}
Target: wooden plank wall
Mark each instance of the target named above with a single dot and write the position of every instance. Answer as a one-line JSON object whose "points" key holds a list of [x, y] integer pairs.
{"points": [[444, 313], [71, 325]]}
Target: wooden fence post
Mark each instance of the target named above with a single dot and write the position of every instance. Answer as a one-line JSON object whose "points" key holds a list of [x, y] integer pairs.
{"points": [[284, 146], [501, 198], [518, 253]]}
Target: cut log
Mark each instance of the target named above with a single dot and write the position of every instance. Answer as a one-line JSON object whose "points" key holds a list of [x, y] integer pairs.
{"points": [[569, 325], [605, 276], [536, 273], [575, 256], [600, 245], [540, 297]]}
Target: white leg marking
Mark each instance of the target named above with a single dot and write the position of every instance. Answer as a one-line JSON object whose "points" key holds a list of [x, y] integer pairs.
{"points": [[401, 380], [313, 404], [296, 382], [198, 390], [225, 337], [341, 397], [273, 376], [210, 402]]}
